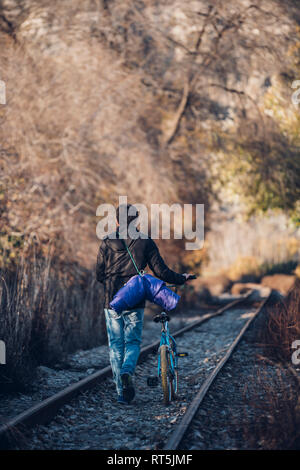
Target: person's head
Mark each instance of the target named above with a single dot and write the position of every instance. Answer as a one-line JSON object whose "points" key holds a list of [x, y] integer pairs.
{"points": [[125, 214]]}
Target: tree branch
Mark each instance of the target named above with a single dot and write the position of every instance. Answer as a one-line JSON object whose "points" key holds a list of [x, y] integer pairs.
{"points": [[178, 115]]}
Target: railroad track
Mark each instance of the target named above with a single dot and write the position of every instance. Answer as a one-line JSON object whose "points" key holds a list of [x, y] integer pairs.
{"points": [[46, 410], [179, 433]]}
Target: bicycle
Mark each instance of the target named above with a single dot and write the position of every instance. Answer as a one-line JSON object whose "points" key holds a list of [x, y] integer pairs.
{"points": [[167, 367]]}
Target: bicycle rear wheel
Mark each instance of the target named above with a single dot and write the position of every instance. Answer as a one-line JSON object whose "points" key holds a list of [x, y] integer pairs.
{"points": [[165, 378]]}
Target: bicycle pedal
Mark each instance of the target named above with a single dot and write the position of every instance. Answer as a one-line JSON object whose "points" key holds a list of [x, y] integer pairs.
{"points": [[182, 354], [152, 381]]}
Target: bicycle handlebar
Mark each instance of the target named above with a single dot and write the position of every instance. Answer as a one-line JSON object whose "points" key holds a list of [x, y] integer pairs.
{"points": [[192, 276], [161, 317]]}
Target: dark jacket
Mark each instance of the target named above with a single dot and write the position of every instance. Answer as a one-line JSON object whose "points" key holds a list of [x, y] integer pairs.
{"points": [[115, 267]]}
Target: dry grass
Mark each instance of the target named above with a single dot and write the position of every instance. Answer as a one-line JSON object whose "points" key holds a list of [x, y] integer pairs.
{"points": [[274, 417], [273, 394], [283, 326], [46, 313]]}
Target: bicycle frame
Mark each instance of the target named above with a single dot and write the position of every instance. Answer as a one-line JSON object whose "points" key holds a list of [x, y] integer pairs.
{"points": [[168, 340]]}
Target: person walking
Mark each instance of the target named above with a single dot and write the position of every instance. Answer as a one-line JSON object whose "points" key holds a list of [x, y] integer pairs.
{"points": [[114, 268]]}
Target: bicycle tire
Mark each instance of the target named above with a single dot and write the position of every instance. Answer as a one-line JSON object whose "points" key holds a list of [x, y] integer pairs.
{"points": [[164, 368]]}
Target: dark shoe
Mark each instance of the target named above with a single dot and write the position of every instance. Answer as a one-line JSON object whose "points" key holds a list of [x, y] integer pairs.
{"points": [[122, 400], [128, 388]]}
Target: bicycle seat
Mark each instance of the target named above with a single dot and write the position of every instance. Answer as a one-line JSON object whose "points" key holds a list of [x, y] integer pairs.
{"points": [[161, 317]]}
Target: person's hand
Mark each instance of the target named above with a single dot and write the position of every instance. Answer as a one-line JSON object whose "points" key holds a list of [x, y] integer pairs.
{"points": [[189, 277]]}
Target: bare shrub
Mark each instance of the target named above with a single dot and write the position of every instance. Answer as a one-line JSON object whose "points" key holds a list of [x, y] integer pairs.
{"points": [[254, 247]]}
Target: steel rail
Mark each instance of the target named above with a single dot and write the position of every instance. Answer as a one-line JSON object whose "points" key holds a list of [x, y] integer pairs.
{"points": [[178, 434], [45, 410]]}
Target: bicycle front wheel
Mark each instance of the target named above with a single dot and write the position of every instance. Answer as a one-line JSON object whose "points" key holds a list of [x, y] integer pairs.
{"points": [[174, 380], [165, 379]]}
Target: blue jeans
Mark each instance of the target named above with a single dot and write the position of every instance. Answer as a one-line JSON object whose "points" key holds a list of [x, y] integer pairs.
{"points": [[124, 339]]}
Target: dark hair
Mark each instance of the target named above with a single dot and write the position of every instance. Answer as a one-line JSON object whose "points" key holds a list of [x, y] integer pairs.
{"points": [[126, 208]]}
